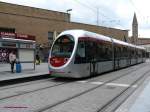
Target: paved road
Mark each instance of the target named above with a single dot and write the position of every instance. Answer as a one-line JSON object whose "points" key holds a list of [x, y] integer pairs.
{"points": [[102, 93]]}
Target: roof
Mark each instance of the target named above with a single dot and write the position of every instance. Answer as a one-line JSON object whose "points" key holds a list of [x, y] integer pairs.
{"points": [[143, 41], [82, 33], [77, 33]]}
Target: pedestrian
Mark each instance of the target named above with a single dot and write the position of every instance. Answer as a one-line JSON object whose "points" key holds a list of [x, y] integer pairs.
{"points": [[12, 59], [37, 59]]}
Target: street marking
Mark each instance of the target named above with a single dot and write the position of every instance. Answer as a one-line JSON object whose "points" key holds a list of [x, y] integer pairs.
{"points": [[117, 84], [135, 86], [97, 83], [120, 85], [82, 81], [109, 84]]}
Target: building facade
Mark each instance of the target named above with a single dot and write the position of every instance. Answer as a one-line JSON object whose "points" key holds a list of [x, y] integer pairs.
{"points": [[145, 42], [140, 41], [46, 24], [43, 23]]}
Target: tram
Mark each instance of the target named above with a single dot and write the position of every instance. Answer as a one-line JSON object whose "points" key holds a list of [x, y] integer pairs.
{"points": [[79, 53]]}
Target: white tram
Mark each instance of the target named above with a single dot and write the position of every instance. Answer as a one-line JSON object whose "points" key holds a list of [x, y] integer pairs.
{"points": [[79, 53]]}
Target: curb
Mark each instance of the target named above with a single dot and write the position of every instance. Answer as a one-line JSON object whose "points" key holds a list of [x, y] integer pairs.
{"points": [[22, 79]]}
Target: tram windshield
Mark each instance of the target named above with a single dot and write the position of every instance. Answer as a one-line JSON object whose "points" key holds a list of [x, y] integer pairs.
{"points": [[63, 47]]}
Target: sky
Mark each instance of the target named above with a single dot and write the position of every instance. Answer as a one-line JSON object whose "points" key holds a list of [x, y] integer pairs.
{"points": [[111, 13]]}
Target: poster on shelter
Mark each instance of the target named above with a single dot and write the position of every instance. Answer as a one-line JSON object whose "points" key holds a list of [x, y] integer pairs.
{"points": [[4, 55]]}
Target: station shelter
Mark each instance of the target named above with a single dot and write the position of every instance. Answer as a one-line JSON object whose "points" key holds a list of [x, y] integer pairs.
{"points": [[23, 45]]}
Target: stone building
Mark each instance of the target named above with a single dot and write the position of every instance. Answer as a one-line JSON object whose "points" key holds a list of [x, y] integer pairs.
{"points": [[145, 42], [140, 41], [134, 38], [46, 24]]}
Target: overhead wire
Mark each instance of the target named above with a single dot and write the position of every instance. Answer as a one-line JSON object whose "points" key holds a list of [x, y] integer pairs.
{"points": [[137, 10], [91, 8], [99, 12]]}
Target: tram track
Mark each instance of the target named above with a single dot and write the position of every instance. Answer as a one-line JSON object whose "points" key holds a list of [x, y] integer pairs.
{"points": [[124, 92], [46, 87], [27, 92], [126, 72], [82, 93], [42, 81]]}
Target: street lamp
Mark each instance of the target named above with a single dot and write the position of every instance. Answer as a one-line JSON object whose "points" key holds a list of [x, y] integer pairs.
{"points": [[68, 10], [68, 17]]}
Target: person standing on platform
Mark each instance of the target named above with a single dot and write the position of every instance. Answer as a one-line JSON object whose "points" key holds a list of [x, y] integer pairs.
{"points": [[37, 59], [12, 59]]}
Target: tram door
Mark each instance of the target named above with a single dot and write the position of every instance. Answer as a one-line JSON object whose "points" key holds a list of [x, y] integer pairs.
{"points": [[116, 57], [91, 54], [93, 68], [128, 57]]}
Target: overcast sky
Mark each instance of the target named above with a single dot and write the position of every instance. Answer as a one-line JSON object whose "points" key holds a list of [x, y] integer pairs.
{"points": [[110, 13]]}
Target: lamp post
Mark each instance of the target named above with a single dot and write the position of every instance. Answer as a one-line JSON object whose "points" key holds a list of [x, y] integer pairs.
{"points": [[68, 10], [68, 18]]}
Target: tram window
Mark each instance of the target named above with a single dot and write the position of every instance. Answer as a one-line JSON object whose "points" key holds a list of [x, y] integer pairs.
{"points": [[143, 54], [128, 52], [92, 51], [104, 52], [125, 52], [63, 46], [81, 50], [117, 52], [136, 53], [140, 53], [101, 52], [80, 53], [89, 51], [121, 52], [108, 52], [132, 53]]}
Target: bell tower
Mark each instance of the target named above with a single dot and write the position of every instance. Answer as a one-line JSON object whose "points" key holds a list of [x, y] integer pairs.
{"points": [[134, 38]]}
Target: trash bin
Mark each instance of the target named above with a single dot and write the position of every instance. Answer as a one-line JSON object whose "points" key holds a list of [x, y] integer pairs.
{"points": [[18, 67]]}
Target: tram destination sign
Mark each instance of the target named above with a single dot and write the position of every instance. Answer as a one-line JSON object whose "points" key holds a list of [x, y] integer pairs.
{"points": [[16, 36]]}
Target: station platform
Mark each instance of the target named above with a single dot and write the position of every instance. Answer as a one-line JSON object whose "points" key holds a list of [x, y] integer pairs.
{"points": [[6, 75]]}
